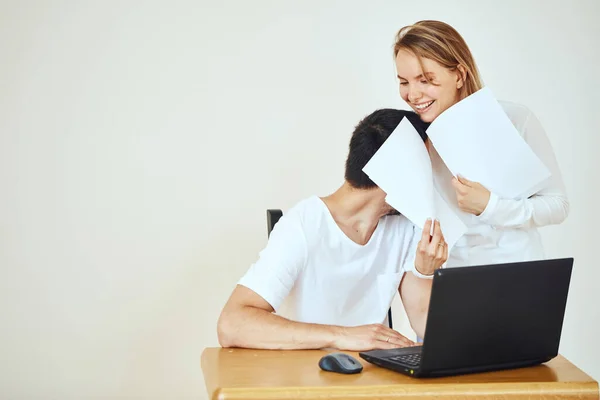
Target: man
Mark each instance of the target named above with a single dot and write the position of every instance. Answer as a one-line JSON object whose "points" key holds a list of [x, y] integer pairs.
{"points": [[339, 259]]}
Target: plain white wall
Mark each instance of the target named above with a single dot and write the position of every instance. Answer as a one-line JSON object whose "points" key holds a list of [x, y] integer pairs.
{"points": [[141, 142]]}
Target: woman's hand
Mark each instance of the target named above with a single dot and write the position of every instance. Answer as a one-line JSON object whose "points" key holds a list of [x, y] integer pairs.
{"points": [[472, 196], [432, 251]]}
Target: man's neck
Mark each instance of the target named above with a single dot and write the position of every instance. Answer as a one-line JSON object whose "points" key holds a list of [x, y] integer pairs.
{"points": [[357, 211]]}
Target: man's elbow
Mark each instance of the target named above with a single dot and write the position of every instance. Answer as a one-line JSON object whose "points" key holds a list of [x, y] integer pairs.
{"points": [[226, 330]]}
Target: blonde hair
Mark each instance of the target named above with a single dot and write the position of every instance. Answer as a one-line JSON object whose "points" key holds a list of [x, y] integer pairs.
{"points": [[440, 42]]}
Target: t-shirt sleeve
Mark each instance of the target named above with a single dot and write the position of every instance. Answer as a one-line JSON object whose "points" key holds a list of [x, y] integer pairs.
{"points": [[279, 264]]}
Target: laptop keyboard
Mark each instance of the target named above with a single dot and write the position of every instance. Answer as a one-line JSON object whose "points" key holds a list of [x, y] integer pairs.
{"points": [[412, 360]]}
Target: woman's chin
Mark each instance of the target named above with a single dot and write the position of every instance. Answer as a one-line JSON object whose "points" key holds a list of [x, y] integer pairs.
{"points": [[428, 117]]}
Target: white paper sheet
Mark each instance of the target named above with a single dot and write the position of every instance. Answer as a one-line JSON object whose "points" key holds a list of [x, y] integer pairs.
{"points": [[452, 226], [402, 169], [477, 140]]}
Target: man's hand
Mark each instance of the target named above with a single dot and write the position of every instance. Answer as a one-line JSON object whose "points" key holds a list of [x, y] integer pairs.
{"points": [[472, 197], [432, 251], [370, 337]]}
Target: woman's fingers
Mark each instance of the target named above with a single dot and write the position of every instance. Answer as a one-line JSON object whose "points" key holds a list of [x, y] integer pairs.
{"points": [[441, 250], [425, 236], [437, 232], [432, 249], [464, 180]]}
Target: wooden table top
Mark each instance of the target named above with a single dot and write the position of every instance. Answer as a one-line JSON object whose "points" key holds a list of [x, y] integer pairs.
{"points": [[269, 374]]}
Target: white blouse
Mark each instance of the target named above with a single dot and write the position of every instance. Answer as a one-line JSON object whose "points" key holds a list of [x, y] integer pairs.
{"points": [[506, 231]]}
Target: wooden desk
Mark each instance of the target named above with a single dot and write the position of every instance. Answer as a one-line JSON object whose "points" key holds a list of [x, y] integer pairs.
{"points": [[263, 374]]}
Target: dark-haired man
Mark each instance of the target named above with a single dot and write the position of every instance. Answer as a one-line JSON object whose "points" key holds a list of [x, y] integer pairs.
{"points": [[339, 261]]}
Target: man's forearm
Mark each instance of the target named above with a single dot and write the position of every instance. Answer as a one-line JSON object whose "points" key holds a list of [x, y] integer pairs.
{"points": [[415, 293], [251, 327]]}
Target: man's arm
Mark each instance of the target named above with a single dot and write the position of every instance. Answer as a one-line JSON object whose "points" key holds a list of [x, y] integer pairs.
{"points": [[247, 320], [415, 294]]}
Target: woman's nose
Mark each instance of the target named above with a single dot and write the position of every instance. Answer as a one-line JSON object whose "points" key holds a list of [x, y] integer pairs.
{"points": [[414, 94]]}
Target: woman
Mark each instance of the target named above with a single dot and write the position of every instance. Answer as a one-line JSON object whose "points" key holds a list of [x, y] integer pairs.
{"points": [[436, 70]]}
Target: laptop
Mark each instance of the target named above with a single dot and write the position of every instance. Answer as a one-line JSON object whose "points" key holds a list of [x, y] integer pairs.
{"points": [[487, 318]]}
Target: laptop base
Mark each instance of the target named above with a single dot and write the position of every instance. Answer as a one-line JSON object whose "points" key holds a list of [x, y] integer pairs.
{"points": [[417, 372]]}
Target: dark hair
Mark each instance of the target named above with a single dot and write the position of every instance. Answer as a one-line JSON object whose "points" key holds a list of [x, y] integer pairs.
{"points": [[369, 135]]}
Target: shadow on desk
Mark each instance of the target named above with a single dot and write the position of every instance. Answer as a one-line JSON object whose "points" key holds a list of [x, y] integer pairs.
{"points": [[270, 374]]}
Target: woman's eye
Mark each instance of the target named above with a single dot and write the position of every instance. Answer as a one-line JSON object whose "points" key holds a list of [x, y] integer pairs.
{"points": [[403, 83], [424, 82]]}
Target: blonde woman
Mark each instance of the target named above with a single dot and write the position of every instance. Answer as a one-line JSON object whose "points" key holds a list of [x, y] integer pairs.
{"points": [[436, 70]]}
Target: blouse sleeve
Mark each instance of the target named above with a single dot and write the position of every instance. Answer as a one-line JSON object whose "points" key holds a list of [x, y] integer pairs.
{"points": [[548, 206]]}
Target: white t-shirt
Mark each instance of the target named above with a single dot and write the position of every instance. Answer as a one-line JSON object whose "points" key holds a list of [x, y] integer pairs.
{"points": [[506, 231], [327, 278]]}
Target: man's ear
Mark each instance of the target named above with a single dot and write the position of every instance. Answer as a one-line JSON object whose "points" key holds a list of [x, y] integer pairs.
{"points": [[461, 76]]}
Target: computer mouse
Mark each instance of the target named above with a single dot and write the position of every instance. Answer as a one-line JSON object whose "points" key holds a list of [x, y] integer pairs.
{"points": [[341, 363]]}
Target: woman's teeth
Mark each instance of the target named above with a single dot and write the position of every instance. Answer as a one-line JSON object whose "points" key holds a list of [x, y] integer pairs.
{"points": [[423, 106]]}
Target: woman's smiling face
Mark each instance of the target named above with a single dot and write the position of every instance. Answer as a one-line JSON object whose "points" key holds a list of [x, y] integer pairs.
{"points": [[429, 92]]}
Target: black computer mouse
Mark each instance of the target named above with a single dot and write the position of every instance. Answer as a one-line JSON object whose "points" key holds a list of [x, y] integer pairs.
{"points": [[341, 363]]}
